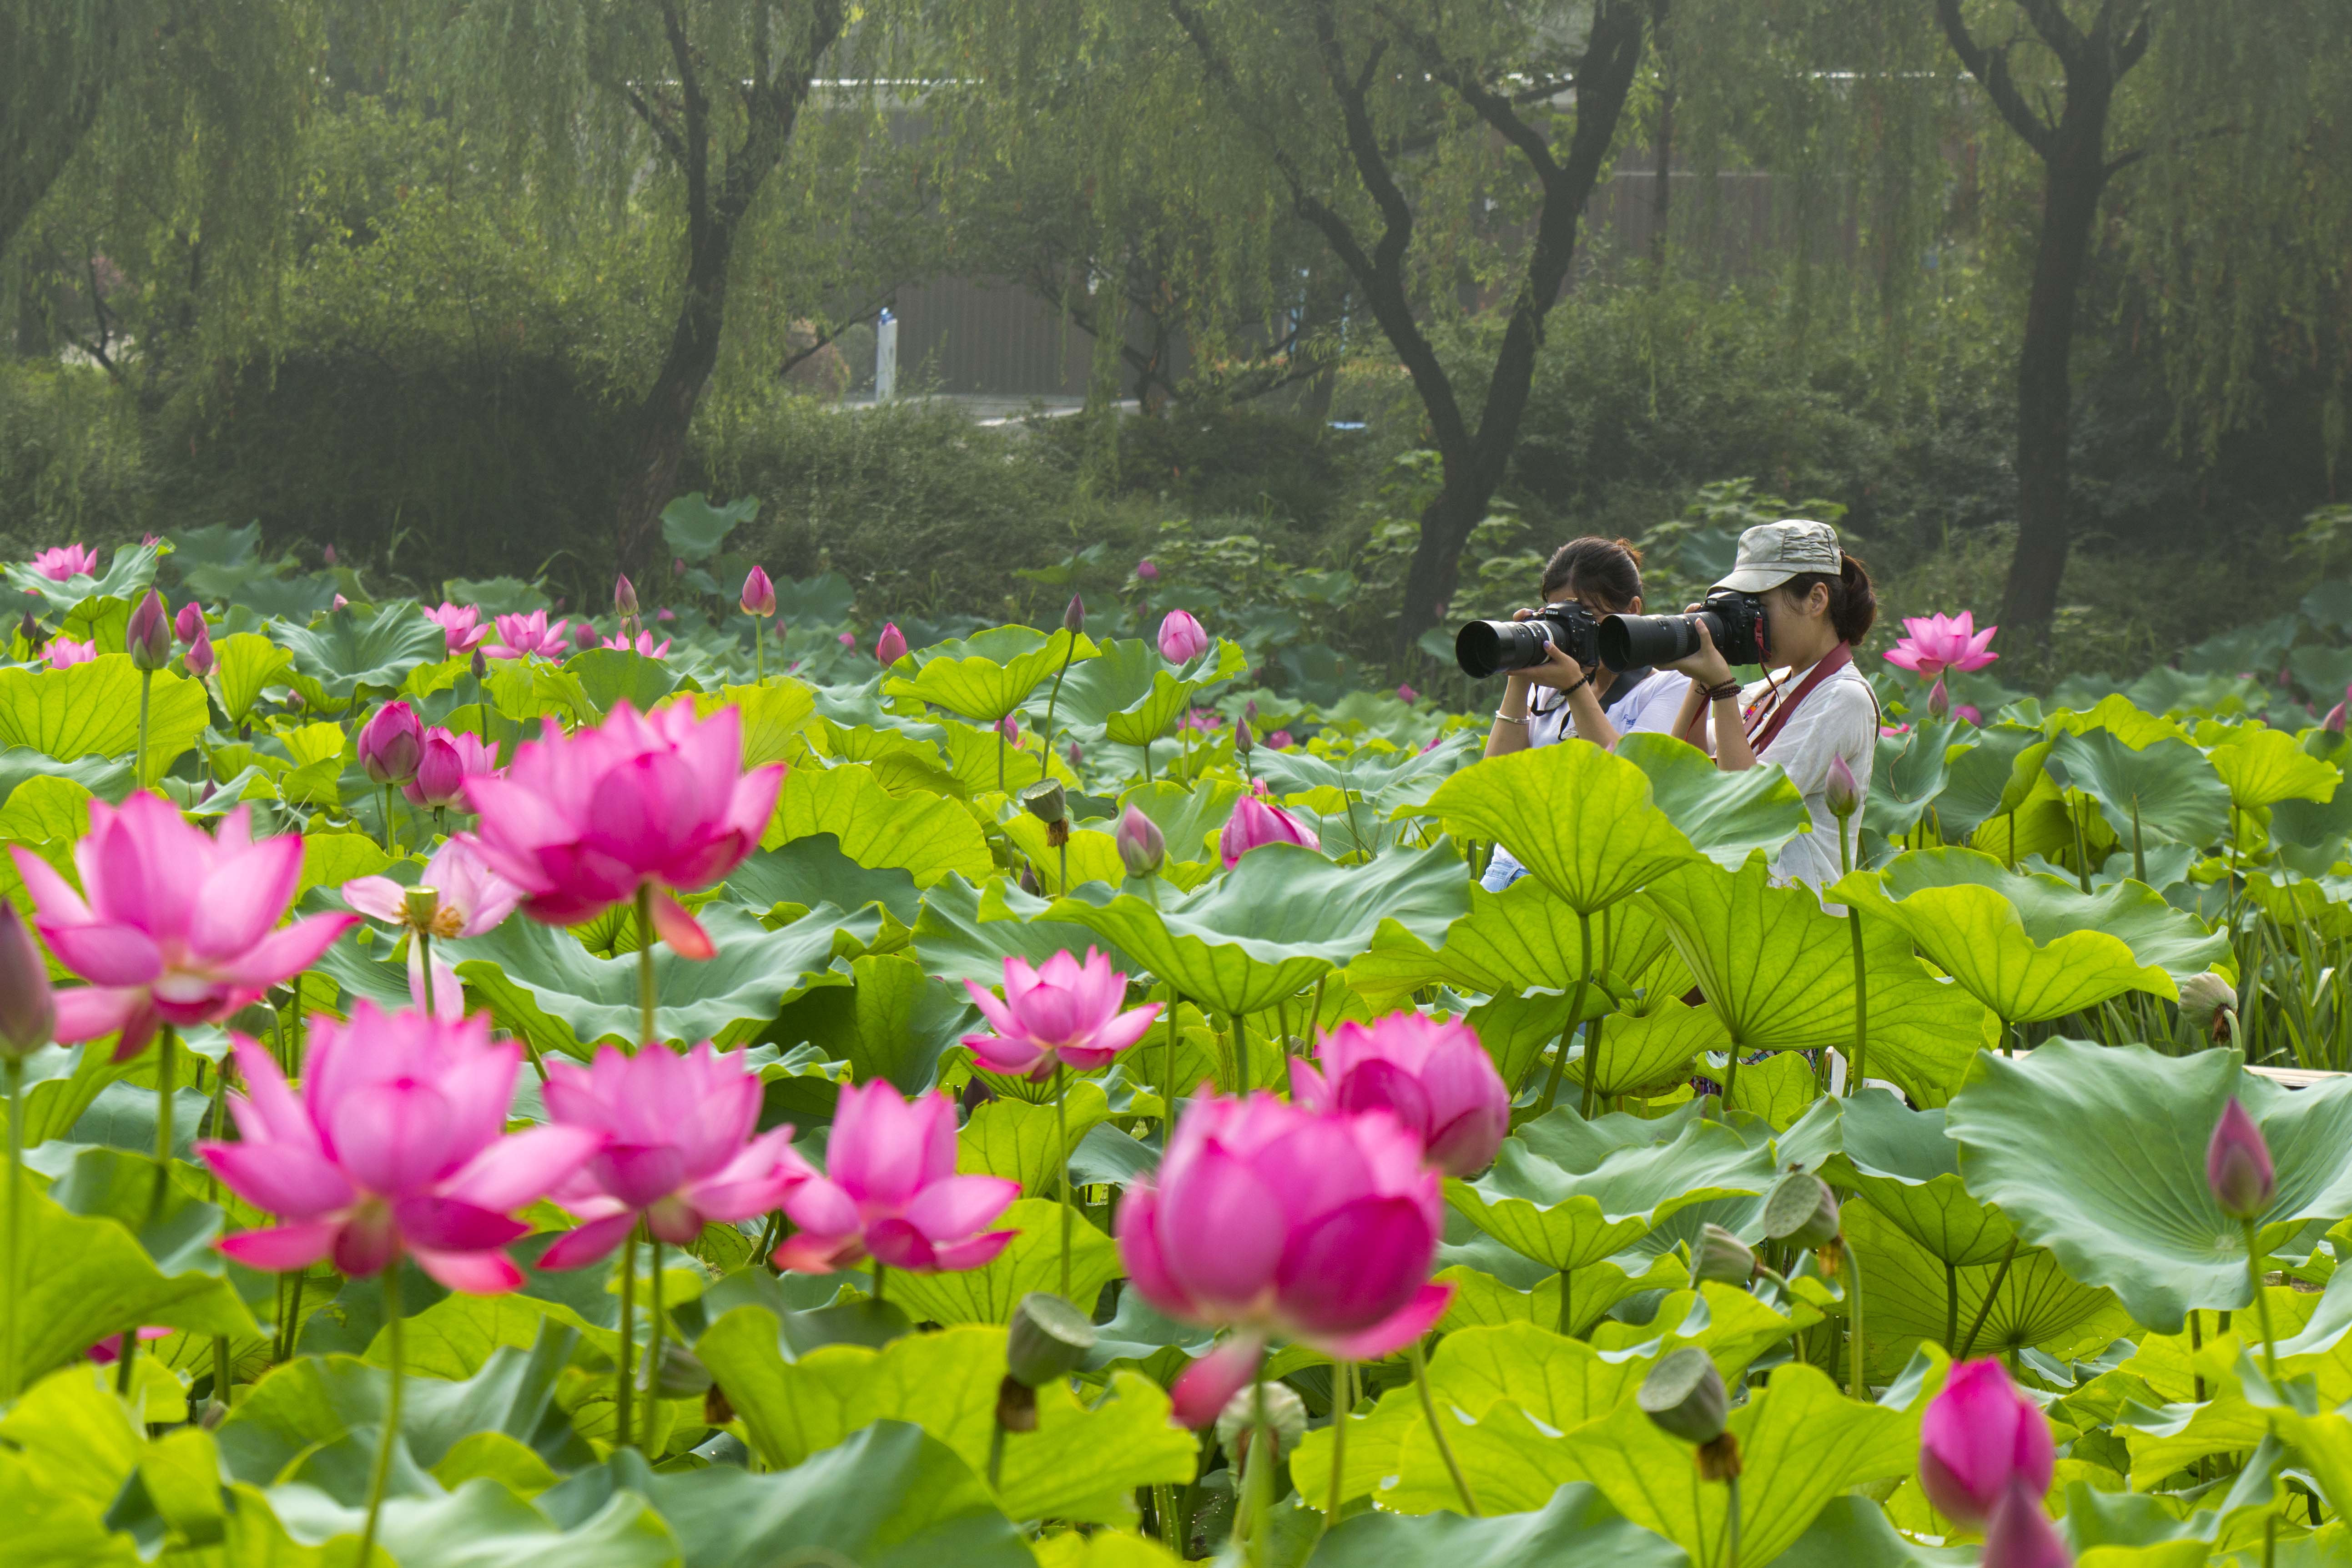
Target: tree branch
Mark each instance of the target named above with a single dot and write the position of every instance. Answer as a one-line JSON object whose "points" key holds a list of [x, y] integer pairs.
{"points": [[698, 127], [1990, 67], [664, 132]]}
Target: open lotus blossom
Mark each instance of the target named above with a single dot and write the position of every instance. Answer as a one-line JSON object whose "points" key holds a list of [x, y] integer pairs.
{"points": [[1935, 644], [530, 634], [681, 1148], [1278, 1223], [67, 563], [1060, 1013], [1256, 822], [63, 651], [890, 1192], [1978, 1438], [659, 801], [642, 643], [1181, 639], [396, 1146], [460, 628], [177, 925], [891, 646], [1430, 1074], [473, 899], [451, 757]]}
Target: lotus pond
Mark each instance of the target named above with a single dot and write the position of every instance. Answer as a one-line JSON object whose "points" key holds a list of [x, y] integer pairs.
{"points": [[718, 1086]]}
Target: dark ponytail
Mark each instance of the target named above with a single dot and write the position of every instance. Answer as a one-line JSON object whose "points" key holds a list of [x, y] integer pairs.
{"points": [[1610, 569], [1853, 604]]}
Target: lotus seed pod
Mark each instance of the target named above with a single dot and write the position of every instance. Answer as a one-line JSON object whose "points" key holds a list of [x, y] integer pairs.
{"points": [[1046, 801], [1801, 1210], [422, 905], [2209, 1002], [681, 1374], [1684, 1397], [1049, 1338], [1721, 1256], [1284, 1412]]}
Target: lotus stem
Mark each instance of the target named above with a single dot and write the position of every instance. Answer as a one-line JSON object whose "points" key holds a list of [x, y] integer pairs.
{"points": [[653, 1349], [624, 1373], [1000, 757], [1167, 1086], [1857, 1344], [292, 1327], [1343, 1406], [2139, 859], [9, 1349], [645, 991], [996, 1456], [1062, 1145], [1731, 1522], [881, 1271], [220, 1372], [759, 653], [1984, 1308], [390, 1436], [1163, 1510], [1951, 1305], [2262, 1303], [1445, 1446], [139, 763], [383, 794], [1052, 701], [1861, 1004], [167, 1041], [1575, 1011], [1258, 1479]]}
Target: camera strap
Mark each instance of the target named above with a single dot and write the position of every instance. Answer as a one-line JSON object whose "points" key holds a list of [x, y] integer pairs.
{"points": [[1828, 664]]}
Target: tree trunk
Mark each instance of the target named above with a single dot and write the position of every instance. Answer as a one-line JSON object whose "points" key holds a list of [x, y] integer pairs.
{"points": [[1435, 570], [1661, 177], [659, 424]]}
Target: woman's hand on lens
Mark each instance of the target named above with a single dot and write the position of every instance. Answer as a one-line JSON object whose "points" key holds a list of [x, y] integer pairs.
{"points": [[1704, 666], [1558, 671]]}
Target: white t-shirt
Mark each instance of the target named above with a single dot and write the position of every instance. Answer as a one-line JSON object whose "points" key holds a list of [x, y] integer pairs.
{"points": [[1652, 706], [1838, 718]]}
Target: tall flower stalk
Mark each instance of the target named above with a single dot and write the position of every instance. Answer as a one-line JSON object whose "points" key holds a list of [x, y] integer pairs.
{"points": [[28, 1019]]}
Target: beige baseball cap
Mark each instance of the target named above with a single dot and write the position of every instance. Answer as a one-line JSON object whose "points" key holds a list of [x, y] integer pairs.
{"points": [[1772, 553]]}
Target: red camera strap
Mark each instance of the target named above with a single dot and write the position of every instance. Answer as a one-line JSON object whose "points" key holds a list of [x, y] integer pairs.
{"points": [[1828, 664]]}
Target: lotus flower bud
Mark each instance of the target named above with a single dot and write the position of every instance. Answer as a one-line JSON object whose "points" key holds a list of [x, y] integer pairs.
{"points": [[392, 744], [1046, 801], [2334, 722], [328, 555], [1073, 619], [1049, 1338], [2238, 1165], [190, 622], [2020, 1535], [1939, 701], [1243, 741], [1803, 1210], [1249, 710], [1981, 1440], [891, 646], [30, 630], [149, 634], [421, 905], [1285, 1413], [1077, 757], [759, 594], [200, 660], [1027, 881], [1181, 639], [624, 596], [1408, 696], [28, 1013], [440, 776], [1684, 1396], [1719, 1256], [481, 665], [1145, 571], [1140, 843], [1842, 794], [2209, 1003]]}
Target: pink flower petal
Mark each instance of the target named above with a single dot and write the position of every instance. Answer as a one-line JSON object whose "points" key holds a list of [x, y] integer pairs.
{"points": [[1202, 1390], [282, 1248]]}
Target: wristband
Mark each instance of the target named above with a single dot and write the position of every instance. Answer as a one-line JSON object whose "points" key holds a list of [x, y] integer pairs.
{"points": [[1729, 690], [1572, 690], [1503, 718]]}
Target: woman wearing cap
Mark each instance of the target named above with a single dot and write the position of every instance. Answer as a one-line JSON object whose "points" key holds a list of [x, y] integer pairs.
{"points": [[1818, 604]]}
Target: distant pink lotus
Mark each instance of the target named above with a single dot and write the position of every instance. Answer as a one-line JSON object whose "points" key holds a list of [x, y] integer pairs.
{"points": [[63, 651], [530, 634], [473, 899], [642, 644], [1937, 643], [1181, 637], [1256, 822], [450, 758], [891, 646], [890, 1192], [67, 563], [459, 627], [1059, 1012], [1430, 1074]]}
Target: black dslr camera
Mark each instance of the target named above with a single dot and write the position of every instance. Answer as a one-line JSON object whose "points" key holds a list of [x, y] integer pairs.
{"points": [[1489, 647], [1735, 620]]}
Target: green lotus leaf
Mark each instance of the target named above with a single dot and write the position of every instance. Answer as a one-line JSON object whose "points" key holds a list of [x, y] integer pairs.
{"points": [[1577, 1525], [2165, 789], [1017, 1140], [45, 807], [540, 982], [1280, 918], [1190, 819], [1082, 1463], [1901, 1161], [893, 1022], [1913, 1296], [1481, 1301], [811, 870], [1033, 1261], [923, 835], [990, 675], [1990, 777], [1581, 820], [1524, 938], [966, 932], [2263, 767], [248, 663], [480, 1521], [612, 675], [132, 572], [1910, 773], [1517, 1031], [2098, 1154], [91, 709], [2318, 907], [1390, 780], [1643, 1052], [694, 528], [61, 1082], [2049, 911], [359, 647], [71, 1444]]}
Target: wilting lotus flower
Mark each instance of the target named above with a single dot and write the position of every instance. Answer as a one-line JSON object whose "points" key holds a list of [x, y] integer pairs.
{"points": [[890, 1192], [759, 594], [178, 927], [530, 634], [473, 899], [190, 622], [1059, 1012], [396, 1146], [891, 646], [581, 822], [1978, 1438], [63, 651], [67, 563], [391, 744], [2238, 1165], [450, 758], [1256, 823], [1141, 845], [678, 1148], [200, 660], [1181, 639], [1278, 1223], [644, 644], [1939, 643], [1431, 1075], [458, 628]]}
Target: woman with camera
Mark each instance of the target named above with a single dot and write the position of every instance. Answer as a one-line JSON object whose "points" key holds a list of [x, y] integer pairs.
{"points": [[1601, 577], [1816, 602]]}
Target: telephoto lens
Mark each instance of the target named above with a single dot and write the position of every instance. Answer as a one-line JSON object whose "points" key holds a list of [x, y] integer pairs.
{"points": [[1488, 647], [1640, 642]]}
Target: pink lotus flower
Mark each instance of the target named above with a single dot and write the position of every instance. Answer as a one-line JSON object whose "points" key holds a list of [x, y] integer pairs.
{"points": [[890, 1192], [847, 639], [67, 563], [581, 822], [1061, 1013], [177, 927], [108, 1351], [1939, 643], [460, 628], [678, 1148], [1256, 822], [530, 634], [1010, 727], [891, 646], [1145, 571], [2020, 1535], [644, 644], [1279, 739], [62, 652], [1181, 639], [450, 758], [1431, 1075], [391, 744], [473, 899], [759, 594], [190, 622], [1969, 711], [1278, 1223], [1408, 696], [1888, 731], [1978, 1437], [2238, 1164], [200, 660], [395, 1147]]}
